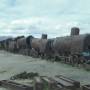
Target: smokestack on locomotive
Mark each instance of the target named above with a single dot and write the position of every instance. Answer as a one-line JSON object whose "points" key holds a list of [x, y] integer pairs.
{"points": [[44, 36], [75, 31]]}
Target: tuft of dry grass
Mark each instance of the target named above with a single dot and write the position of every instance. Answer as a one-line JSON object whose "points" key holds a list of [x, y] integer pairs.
{"points": [[24, 75]]}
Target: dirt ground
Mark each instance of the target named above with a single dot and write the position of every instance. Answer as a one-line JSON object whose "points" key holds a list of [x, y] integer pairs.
{"points": [[11, 64]]}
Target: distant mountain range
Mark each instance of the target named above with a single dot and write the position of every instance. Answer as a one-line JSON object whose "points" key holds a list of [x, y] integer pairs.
{"points": [[4, 37]]}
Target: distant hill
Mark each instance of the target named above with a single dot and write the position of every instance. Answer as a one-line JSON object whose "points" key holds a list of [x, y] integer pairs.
{"points": [[4, 37]]}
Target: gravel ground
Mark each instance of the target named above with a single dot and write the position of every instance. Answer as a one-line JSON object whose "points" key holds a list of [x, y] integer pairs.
{"points": [[11, 64]]}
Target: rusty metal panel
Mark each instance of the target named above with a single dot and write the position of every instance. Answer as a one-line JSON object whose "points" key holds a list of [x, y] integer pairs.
{"points": [[67, 83], [86, 87], [38, 83], [76, 83], [51, 84], [15, 86]]}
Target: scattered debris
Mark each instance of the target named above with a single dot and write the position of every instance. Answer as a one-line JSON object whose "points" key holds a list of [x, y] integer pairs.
{"points": [[44, 83]]}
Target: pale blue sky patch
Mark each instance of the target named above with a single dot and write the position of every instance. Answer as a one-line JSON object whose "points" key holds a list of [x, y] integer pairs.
{"points": [[54, 17]]}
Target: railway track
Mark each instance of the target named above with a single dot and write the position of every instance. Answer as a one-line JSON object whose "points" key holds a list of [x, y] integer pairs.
{"points": [[46, 83]]}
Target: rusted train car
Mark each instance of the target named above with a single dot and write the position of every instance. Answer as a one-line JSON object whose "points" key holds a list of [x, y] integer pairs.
{"points": [[76, 46]]}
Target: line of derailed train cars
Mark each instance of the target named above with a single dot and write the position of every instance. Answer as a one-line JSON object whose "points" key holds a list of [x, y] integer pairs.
{"points": [[75, 48]]}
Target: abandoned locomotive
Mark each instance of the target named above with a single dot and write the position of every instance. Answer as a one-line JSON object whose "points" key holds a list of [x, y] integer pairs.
{"points": [[75, 48]]}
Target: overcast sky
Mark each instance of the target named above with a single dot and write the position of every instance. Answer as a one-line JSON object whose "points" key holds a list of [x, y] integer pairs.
{"points": [[54, 17]]}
